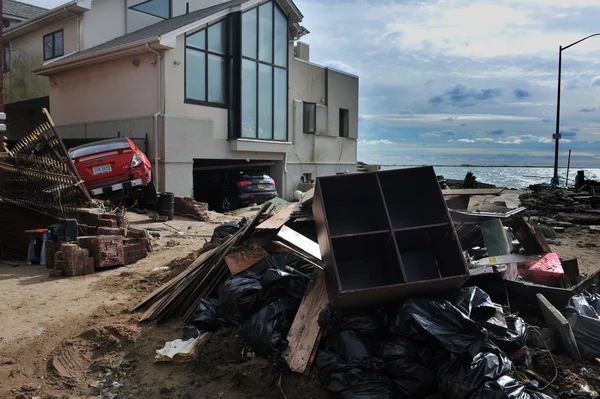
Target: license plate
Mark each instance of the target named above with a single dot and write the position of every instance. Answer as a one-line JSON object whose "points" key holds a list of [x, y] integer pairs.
{"points": [[261, 186], [101, 169]]}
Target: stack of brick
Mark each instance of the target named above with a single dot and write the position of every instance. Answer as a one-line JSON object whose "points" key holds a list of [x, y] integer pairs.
{"points": [[186, 206], [73, 261], [106, 250], [134, 249]]}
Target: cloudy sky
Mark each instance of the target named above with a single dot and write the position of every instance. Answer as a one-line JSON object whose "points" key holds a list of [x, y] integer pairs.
{"points": [[464, 81]]}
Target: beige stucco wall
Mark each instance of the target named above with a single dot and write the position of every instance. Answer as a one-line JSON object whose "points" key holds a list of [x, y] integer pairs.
{"points": [[27, 53], [342, 92], [308, 82], [105, 21], [111, 90]]}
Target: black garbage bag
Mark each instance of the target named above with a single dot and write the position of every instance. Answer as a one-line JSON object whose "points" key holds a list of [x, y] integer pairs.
{"points": [[206, 317], [583, 316], [464, 374], [349, 345], [454, 321], [515, 338], [509, 388], [403, 364], [276, 280], [228, 229], [266, 331], [354, 378], [238, 299], [367, 321]]}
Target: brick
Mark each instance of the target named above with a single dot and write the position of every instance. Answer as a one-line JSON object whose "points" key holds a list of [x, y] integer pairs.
{"points": [[136, 233], [88, 230], [130, 260], [88, 218], [110, 252], [107, 223], [109, 231], [50, 252], [56, 273]]}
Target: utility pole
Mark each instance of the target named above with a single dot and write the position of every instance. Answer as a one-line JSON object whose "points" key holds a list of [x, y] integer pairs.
{"points": [[556, 135]]}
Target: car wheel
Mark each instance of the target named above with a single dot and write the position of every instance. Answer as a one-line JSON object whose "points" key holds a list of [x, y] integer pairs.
{"points": [[226, 204]]}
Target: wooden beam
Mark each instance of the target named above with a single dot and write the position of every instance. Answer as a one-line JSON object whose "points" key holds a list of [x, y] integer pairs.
{"points": [[280, 218], [304, 334], [299, 241]]}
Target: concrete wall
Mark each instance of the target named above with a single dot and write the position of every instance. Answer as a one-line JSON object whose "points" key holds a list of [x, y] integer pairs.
{"points": [[308, 82], [105, 21], [27, 53], [111, 90], [342, 90]]}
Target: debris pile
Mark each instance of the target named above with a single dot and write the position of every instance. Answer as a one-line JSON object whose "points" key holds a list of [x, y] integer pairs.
{"points": [[386, 305]]}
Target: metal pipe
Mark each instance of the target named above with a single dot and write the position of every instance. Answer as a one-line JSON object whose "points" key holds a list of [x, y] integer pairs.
{"points": [[568, 167], [157, 115]]}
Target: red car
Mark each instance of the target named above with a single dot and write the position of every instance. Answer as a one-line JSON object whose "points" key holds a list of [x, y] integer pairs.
{"points": [[111, 165]]}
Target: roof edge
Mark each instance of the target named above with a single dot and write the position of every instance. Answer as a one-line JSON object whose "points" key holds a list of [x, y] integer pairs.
{"points": [[80, 5], [93, 58]]}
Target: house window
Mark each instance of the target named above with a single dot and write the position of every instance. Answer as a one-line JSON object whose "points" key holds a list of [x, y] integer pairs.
{"points": [[53, 45], [344, 116], [264, 91], [309, 117], [156, 8], [6, 60], [206, 63]]}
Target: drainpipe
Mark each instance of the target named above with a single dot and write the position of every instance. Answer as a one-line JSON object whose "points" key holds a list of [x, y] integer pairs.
{"points": [[157, 117], [78, 27]]}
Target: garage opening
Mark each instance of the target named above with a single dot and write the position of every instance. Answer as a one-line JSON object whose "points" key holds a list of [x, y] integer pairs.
{"points": [[227, 184]]}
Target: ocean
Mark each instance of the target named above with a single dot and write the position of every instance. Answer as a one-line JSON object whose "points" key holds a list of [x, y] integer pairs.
{"points": [[507, 176]]}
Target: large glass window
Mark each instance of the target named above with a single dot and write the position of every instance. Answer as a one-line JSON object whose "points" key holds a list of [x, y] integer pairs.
{"points": [[206, 65], [264, 100], [53, 45], [156, 8]]}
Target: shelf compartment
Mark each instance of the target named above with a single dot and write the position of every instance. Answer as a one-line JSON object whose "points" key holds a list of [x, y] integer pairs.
{"points": [[413, 197], [353, 204], [367, 261], [430, 253]]}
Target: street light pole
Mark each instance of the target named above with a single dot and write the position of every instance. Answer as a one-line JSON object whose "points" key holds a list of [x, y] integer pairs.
{"points": [[556, 135]]}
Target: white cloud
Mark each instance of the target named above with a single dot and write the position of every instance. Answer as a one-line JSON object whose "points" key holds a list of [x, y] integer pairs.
{"points": [[461, 141], [485, 139], [375, 142]]}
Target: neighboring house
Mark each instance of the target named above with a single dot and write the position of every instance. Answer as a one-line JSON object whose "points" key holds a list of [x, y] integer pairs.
{"points": [[213, 85]]}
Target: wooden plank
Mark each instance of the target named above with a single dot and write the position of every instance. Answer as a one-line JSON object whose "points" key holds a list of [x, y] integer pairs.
{"points": [[304, 333], [299, 241], [247, 256], [472, 191], [278, 219], [308, 197]]}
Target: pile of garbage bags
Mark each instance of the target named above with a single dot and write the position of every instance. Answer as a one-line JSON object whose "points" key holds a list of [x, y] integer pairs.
{"points": [[262, 301], [420, 348], [583, 314]]}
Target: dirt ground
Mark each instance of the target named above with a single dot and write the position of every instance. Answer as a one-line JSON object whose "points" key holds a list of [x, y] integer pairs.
{"points": [[75, 337]]}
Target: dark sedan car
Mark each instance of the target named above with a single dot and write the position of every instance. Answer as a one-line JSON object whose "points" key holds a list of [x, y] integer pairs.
{"points": [[247, 189]]}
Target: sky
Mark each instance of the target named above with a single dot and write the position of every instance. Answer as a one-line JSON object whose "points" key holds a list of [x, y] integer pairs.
{"points": [[452, 82]]}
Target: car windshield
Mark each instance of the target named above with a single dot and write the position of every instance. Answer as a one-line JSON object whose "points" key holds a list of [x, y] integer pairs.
{"points": [[98, 146], [253, 176]]}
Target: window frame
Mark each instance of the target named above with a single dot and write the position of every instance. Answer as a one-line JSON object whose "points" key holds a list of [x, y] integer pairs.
{"points": [[132, 8], [53, 36], [226, 56], [344, 121], [272, 65], [5, 56], [305, 119]]}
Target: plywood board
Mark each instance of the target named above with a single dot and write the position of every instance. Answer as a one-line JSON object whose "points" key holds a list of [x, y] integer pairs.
{"points": [[247, 256], [299, 241], [278, 219], [304, 334]]}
